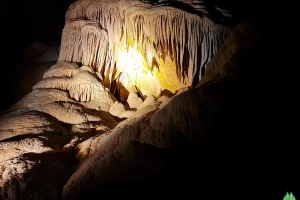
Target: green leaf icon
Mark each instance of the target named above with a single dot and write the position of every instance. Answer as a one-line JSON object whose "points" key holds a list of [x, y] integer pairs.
{"points": [[289, 196]]}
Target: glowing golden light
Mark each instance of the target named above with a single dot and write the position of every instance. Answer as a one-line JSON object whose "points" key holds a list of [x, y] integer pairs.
{"points": [[136, 71], [129, 61]]}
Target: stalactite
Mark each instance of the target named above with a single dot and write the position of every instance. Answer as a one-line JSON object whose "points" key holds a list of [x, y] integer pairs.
{"points": [[95, 44], [111, 26]]}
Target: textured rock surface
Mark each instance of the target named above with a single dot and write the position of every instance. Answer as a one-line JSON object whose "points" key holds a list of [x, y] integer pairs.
{"points": [[152, 154], [62, 69], [24, 177], [142, 45], [84, 86], [28, 145], [39, 132], [133, 101], [194, 117], [116, 109], [31, 122]]}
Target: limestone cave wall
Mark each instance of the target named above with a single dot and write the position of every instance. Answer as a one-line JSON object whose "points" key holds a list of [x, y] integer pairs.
{"points": [[227, 133]]}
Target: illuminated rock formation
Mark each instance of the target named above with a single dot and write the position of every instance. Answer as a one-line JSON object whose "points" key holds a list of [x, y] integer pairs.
{"points": [[189, 117], [144, 52], [141, 46], [182, 119]]}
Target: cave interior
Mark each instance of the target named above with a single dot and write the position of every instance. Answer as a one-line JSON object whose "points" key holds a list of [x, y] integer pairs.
{"points": [[148, 99]]}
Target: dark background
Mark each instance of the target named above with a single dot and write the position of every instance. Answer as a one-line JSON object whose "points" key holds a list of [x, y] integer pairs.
{"points": [[25, 22]]}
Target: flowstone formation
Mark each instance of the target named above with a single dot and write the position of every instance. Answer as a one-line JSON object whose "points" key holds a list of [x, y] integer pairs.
{"points": [[120, 97], [142, 47]]}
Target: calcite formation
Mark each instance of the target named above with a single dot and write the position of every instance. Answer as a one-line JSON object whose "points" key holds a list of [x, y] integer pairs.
{"points": [[121, 93], [141, 46]]}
